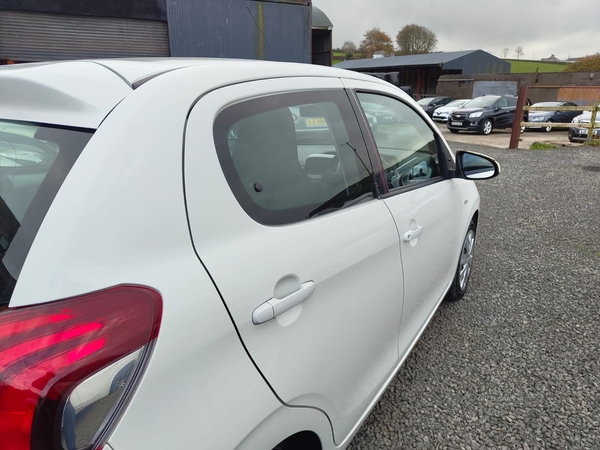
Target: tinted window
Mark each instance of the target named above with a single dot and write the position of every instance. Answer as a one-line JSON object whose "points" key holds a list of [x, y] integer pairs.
{"points": [[511, 101], [502, 103], [34, 161], [406, 144], [294, 156]]}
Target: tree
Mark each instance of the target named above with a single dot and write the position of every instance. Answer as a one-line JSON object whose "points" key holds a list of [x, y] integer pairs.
{"points": [[519, 52], [349, 47], [505, 53], [376, 40], [590, 63], [414, 40]]}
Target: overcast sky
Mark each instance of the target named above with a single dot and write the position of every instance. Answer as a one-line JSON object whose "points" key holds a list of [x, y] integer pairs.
{"points": [[541, 27]]}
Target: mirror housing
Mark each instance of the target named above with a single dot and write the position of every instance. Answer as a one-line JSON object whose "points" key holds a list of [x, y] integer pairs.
{"points": [[475, 166]]}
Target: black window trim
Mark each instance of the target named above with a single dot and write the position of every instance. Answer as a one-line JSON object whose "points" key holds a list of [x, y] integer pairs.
{"points": [[291, 216], [384, 192]]}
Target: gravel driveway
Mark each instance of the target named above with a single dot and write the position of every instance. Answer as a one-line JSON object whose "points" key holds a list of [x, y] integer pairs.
{"points": [[516, 363]]}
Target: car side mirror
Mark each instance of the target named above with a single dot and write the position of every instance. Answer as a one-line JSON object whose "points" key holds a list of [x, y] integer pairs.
{"points": [[474, 166]]}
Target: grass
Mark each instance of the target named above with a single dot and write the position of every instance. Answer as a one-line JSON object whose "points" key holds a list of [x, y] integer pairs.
{"points": [[588, 251], [542, 146], [525, 66]]}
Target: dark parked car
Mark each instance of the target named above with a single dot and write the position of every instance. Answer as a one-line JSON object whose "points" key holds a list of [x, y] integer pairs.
{"points": [[579, 134], [430, 104], [483, 114], [550, 116]]}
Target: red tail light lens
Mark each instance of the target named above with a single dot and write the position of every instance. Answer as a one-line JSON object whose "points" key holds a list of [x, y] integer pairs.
{"points": [[48, 351]]}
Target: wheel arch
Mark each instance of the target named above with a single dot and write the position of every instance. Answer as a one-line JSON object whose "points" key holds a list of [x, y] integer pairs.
{"points": [[303, 440]]}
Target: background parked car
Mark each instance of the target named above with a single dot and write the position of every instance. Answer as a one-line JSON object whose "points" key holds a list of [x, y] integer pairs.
{"points": [[442, 113], [579, 134], [430, 104], [550, 116], [483, 114]]}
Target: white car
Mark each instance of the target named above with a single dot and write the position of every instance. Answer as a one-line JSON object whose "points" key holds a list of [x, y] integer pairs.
{"points": [[442, 113], [179, 270]]}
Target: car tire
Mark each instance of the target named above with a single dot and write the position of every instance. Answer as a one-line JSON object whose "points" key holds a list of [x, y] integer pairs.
{"points": [[486, 127], [453, 131], [571, 136], [465, 264], [547, 129]]}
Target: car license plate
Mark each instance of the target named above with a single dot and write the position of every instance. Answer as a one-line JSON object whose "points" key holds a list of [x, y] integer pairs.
{"points": [[457, 123], [316, 122], [583, 131]]}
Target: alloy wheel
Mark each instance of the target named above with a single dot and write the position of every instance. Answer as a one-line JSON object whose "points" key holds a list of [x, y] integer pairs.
{"points": [[466, 260]]}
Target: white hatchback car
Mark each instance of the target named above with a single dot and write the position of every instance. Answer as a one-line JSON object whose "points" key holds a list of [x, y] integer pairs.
{"points": [[442, 113], [184, 265]]}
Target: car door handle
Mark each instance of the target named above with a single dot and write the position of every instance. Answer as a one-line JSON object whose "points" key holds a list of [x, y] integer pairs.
{"points": [[272, 308], [412, 234]]}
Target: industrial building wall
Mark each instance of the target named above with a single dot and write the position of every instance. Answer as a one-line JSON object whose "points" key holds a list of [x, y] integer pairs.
{"points": [[479, 62], [269, 30], [31, 36]]}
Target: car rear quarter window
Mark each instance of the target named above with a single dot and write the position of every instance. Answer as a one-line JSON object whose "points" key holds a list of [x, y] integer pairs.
{"points": [[34, 161], [291, 157]]}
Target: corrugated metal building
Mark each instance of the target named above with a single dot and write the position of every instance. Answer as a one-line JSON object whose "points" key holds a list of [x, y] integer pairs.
{"points": [[421, 72], [40, 30]]}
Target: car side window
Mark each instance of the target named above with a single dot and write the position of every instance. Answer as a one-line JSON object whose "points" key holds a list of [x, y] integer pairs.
{"points": [[407, 145], [290, 157], [512, 102], [502, 103]]}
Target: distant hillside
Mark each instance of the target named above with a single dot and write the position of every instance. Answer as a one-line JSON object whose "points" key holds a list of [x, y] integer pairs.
{"points": [[338, 57], [528, 66]]}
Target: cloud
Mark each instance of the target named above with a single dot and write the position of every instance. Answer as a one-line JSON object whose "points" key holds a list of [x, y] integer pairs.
{"points": [[541, 27]]}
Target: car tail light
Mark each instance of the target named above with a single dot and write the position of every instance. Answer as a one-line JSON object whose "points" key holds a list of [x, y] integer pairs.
{"points": [[67, 368]]}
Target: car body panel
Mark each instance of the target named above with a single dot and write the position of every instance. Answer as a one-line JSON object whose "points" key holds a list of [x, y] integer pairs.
{"points": [[356, 271], [121, 216], [116, 176], [76, 93]]}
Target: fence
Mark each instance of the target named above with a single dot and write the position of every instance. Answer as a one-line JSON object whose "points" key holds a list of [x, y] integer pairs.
{"points": [[519, 125]]}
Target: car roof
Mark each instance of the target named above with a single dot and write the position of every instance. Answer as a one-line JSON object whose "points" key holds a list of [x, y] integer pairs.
{"points": [[82, 93]]}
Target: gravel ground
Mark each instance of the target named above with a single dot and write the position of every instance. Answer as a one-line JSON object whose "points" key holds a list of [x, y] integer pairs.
{"points": [[516, 363]]}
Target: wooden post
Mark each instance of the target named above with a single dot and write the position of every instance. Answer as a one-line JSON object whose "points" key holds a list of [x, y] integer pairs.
{"points": [[516, 128], [592, 124]]}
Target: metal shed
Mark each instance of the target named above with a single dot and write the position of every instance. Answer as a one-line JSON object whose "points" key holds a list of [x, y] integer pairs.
{"points": [[421, 72], [322, 42], [40, 30]]}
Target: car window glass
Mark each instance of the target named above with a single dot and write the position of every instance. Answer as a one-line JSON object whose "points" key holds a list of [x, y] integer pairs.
{"points": [[34, 160], [512, 102], [406, 144], [293, 156], [502, 103]]}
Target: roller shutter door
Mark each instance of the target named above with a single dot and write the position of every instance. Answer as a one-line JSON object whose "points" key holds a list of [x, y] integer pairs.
{"points": [[26, 36]]}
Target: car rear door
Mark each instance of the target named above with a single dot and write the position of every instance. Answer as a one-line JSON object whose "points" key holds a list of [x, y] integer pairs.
{"points": [[279, 192], [427, 207]]}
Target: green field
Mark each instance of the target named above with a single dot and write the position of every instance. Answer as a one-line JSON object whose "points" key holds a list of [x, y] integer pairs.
{"points": [[525, 66]]}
